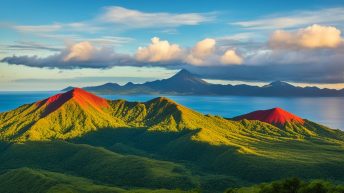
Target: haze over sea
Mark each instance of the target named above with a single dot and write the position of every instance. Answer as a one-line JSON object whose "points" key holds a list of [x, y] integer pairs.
{"points": [[328, 111]]}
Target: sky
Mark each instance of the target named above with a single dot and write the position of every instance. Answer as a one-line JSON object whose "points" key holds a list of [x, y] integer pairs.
{"points": [[49, 45]]}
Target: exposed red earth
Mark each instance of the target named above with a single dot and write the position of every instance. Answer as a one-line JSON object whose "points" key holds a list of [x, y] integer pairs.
{"points": [[276, 116], [80, 96]]}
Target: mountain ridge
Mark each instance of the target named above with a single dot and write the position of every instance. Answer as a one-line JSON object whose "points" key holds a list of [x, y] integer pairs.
{"points": [[37, 120], [186, 83], [162, 144]]}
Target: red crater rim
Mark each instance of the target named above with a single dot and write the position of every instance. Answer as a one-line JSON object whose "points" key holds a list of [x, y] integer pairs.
{"points": [[80, 96], [275, 116]]}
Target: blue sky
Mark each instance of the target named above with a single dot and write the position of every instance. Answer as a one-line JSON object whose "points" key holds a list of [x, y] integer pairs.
{"points": [[47, 45]]}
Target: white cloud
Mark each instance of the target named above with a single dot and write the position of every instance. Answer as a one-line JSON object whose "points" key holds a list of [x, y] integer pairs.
{"points": [[106, 40], [245, 36], [18, 46], [135, 18], [207, 53], [159, 51], [295, 19], [201, 51], [231, 57], [78, 55], [80, 52], [315, 36], [65, 27], [38, 28]]}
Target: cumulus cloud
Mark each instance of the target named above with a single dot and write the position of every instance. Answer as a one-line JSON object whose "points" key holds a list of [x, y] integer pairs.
{"points": [[231, 57], [159, 51], [315, 36], [207, 53], [78, 55], [204, 53], [210, 60], [80, 52], [201, 51]]}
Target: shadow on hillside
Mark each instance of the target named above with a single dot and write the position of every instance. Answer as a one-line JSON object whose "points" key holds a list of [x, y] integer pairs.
{"points": [[215, 166], [98, 164], [138, 141], [215, 159]]}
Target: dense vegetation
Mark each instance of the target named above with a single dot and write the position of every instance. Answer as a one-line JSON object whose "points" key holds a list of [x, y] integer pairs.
{"points": [[160, 144], [26, 180], [291, 185], [97, 164]]}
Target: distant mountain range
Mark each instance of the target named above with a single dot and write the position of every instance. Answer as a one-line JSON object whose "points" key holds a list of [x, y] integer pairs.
{"points": [[186, 83], [79, 142]]}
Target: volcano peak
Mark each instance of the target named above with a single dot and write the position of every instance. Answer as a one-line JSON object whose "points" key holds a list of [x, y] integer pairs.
{"points": [[80, 96], [276, 116]]}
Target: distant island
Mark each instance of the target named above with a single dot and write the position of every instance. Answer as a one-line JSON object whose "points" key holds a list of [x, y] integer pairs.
{"points": [[186, 83]]}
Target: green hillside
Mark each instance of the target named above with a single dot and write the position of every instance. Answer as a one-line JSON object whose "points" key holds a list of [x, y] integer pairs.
{"points": [[97, 164], [40, 181], [293, 185], [121, 144]]}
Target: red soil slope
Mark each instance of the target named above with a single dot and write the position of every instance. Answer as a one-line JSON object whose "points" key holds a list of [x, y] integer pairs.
{"points": [[275, 116], [80, 96]]}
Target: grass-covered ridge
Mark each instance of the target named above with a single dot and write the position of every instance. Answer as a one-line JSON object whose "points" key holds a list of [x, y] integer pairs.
{"points": [[30, 180], [120, 143], [291, 185], [74, 119], [97, 164]]}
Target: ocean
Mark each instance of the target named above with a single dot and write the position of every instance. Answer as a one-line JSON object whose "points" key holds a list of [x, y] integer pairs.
{"points": [[328, 111]]}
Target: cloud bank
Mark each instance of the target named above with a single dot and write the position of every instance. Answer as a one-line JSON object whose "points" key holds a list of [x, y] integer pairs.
{"points": [[79, 55], [313, 54]]}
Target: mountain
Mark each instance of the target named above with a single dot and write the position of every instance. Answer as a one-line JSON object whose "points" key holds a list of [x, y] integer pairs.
{"points": [[275, 116], [63, 115], [278, 84], [55, 118], [160, 144], [290, 123], [183, 82], [186, 83]]}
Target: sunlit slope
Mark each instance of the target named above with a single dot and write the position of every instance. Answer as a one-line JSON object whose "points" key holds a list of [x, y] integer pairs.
{"points": [[35, 181], [248, 136], [77, 112], [62, 116], [30, 180], [97, 164], [291, 185], [252, 150]]}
